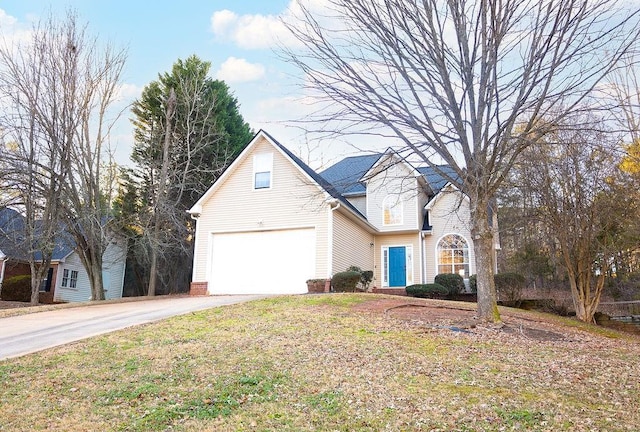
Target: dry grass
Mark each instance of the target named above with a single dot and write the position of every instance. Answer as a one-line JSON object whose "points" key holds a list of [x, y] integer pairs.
{"points": [[12, 308], [324, 363]]}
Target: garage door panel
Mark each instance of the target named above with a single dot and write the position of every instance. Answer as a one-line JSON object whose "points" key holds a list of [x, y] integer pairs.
{"points": [[264, 262]]}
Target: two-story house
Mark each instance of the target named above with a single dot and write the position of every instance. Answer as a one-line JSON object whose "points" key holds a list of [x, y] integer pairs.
{"points": [[269, 223]]}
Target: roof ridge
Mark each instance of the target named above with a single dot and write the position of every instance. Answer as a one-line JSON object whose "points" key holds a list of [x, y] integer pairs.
{"points": [[321, 181]]}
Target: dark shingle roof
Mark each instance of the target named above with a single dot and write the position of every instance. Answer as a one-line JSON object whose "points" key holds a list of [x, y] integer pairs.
{"points": [[11, 229], [343, 178], [434, 178], [345, 175], [12, 238]]}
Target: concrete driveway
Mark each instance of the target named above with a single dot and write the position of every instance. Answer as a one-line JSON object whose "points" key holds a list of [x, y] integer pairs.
{"points": [[24, 334]]}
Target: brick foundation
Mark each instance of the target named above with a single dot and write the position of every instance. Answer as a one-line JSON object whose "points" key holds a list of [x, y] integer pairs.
{"points": [[198, 288], [319, 285]]}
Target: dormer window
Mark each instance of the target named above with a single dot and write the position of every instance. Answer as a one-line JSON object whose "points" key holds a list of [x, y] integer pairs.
{"points": [[262, 168], [392, 210]]}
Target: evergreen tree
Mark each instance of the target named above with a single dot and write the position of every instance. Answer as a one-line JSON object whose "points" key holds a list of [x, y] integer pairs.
{"points": [[188, 129]]}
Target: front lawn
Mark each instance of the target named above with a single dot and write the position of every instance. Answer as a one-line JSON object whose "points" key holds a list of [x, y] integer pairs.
{"points": [[328, 362]]}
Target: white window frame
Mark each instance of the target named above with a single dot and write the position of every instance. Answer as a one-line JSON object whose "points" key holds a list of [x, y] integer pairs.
{"points": [[395, 209], [73, 280], [466, 260], [65, 278], [408, 255], [262, 164], [69, 279]]}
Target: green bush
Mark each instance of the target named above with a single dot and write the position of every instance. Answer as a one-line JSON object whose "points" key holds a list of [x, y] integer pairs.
{"points": [[509, 286], [346, 281], [473, 283], [17, 288], [451, 281], [366, 276], [427, 290]]}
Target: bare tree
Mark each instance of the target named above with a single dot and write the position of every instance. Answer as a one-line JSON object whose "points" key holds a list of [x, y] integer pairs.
{"points": [[187, 131], [626, 94], [35, 157], [59, 86], [452, 79], [570, 178]]}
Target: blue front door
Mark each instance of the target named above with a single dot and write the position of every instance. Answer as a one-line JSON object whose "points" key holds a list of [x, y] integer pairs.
{"points": [[397, 267]]}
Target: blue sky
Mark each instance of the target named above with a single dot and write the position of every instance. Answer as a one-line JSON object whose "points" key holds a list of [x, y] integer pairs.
{"points": [[237, 37]]}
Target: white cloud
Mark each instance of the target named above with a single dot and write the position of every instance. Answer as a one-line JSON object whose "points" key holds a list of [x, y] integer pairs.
{"points": [[222, 22], [128, 92], [12, 31], [236, 70], [6, 20], [259, 31]]}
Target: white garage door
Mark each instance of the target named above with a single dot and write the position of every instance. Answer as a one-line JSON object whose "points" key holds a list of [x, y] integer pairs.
{"points": [[265, 262]]}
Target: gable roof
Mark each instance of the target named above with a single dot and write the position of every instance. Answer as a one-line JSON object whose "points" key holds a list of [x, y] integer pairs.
{"points": [[321, 181], [343, 179], [324, 185], [346, 175]]}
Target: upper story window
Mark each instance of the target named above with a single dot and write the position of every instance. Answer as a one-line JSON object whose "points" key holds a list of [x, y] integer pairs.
{"points": [[262, 169], [392, 210]]}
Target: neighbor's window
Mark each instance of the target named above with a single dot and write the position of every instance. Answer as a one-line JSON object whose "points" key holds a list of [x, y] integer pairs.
{"points": [[453, 255], [69, 278], [73, 280], [262, 167], [392, 210], [65, 278]]}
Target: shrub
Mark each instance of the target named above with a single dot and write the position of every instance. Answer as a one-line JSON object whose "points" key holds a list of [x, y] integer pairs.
{"points": [[509, 286], [451, 281], [473, 283], [346, 281], [365, 279], [17, 288], [366, 276], [427, 290]]}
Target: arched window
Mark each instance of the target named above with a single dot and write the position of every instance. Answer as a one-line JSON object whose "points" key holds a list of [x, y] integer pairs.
{"points": [[392, 210], [453, 255]]}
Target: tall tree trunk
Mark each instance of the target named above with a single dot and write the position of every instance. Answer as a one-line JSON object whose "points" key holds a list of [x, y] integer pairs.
{"points": [[161, 194], [483, 247], [35, 286], [97, 288], [153, 278]]}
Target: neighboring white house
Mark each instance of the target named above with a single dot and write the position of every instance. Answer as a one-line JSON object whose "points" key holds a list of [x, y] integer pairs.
{"points": [[269, 223], [67, 279], [3, 259]]}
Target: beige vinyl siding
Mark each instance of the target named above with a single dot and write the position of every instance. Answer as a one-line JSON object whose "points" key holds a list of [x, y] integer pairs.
{"points": [[351, 245], [411, 239], [291, 202], [396, 180], [449, 215], [359, 202]]}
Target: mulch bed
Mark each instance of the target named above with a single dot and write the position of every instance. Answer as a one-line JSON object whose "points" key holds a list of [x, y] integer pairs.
{"points": [[429, 316]]}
